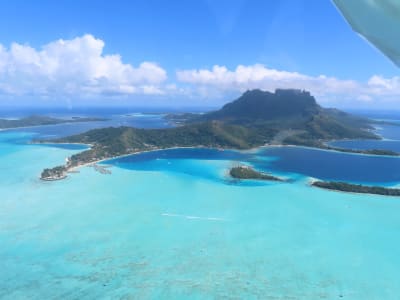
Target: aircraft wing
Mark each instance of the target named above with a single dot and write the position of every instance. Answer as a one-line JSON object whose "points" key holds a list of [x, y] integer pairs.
{"points": [[376, 20]]}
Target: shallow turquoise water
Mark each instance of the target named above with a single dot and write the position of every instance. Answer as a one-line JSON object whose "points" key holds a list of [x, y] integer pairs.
{"points": [[176, 228]]}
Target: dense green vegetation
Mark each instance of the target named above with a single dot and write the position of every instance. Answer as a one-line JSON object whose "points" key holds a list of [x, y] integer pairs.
{"points": [[256, 118], [283, 105], [245, 172], [108, 142], [327, 126], [259, 106], [366, 151], [285, 110], [41, 120], [356, 188], [54, 173]]}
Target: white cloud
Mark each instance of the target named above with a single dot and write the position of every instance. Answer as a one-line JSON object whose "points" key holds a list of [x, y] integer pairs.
{"points": [[327, 89], [74, 67], [79, 68]]}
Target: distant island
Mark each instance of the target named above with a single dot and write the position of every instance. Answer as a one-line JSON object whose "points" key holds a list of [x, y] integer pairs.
{"points": [[382, 152], [36, 120], [246, 172], [113, 142], [257, 118], [55, 173], [356, 188]]}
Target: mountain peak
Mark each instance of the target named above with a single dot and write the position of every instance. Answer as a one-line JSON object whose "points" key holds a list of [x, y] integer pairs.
{"points": [[263, 105], [278, 92]]}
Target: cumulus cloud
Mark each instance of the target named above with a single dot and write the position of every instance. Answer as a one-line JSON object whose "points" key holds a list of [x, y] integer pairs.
{"points": [[74, 67], [328, 89], [79, 68]]}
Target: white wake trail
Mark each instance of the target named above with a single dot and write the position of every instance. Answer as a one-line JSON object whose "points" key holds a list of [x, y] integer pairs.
{"points": [[189, 217]]}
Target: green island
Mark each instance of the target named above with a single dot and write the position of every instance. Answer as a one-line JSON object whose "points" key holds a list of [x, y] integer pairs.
{"points": [[55, 173], [246, 172], [36, 120], [383, 152], [356, 188], [257, 118]]}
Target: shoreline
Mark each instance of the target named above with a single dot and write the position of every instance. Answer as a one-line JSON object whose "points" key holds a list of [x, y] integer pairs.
{"points": [[54, 179], [61, 123], [337, 151], [255, 149], [74, 168], [245, 172], [311, 182]]}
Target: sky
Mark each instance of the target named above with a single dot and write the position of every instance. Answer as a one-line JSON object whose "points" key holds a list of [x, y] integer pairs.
{"points": [[185, 53]]}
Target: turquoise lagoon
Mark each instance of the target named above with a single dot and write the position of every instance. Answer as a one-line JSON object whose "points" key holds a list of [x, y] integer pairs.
{"points": [[172, 225]]}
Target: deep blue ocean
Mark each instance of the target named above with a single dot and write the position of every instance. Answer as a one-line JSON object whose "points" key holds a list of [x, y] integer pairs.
{"points": [[171, 224]]}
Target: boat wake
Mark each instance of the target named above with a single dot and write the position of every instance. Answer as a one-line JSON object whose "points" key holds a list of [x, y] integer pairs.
{"points": [[194, 217]]}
